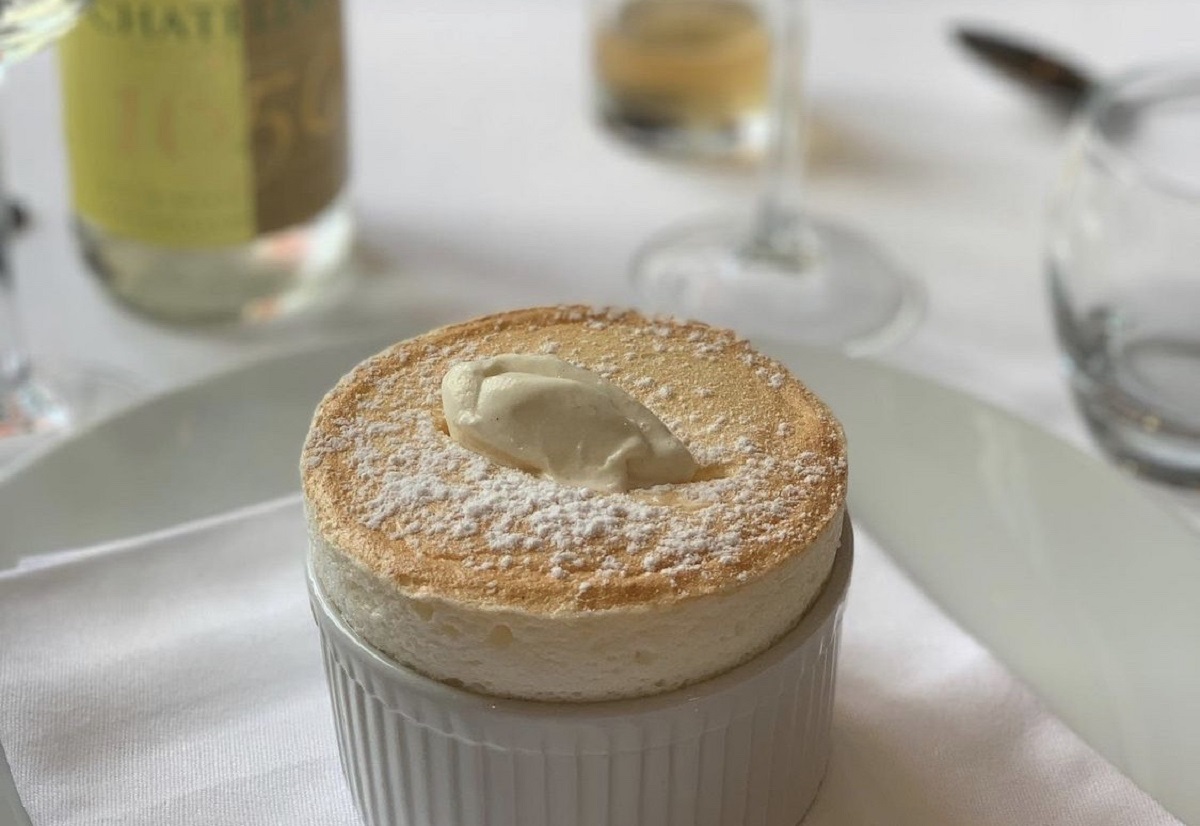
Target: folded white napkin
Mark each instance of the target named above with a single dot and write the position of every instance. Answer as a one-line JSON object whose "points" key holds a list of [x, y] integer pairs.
{"points": [[177, 680]]}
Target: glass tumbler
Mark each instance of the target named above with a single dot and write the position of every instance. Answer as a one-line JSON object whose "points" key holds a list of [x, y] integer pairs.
{"points": [[1124, 270]]}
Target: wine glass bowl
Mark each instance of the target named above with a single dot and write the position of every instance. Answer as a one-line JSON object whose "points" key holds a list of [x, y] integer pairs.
{"points": [[686, 78], [26, 26]]}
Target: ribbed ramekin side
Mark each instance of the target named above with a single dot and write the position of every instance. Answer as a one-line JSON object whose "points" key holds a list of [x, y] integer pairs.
{"points": [[749, 748], [754, 756]]}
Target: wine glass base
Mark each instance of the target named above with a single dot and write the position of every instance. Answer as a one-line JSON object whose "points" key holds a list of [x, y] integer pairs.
{"points": [[56, 401], [841, 292]]}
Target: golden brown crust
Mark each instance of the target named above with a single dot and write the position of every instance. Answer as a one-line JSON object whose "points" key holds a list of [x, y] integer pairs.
{"points": [[386, 486]]}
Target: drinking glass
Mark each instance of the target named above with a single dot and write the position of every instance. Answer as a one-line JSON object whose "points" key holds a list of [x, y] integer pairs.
{"points": [[1124, 269], [687, 78], [782, 272], [35, 402]]}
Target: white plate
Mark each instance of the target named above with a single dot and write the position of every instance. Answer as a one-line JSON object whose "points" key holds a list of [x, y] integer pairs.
{"points": [[1060, 564], [204, 449]]}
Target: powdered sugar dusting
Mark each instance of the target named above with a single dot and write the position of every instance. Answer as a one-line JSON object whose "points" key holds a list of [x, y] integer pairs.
{"points": [[415, 485], [414, 480]]}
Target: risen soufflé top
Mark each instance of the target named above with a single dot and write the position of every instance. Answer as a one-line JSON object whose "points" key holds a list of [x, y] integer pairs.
{"points": [[387, 485]]}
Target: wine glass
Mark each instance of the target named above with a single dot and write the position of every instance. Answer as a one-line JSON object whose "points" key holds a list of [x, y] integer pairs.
{"points": [[35, 403], [783, 273]]}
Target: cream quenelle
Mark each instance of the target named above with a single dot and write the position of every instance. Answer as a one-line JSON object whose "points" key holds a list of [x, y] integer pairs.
{"points": [[545, 415]]}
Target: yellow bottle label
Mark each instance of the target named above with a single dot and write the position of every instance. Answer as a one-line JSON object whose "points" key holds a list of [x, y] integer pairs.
{"points": [[198, 123]]}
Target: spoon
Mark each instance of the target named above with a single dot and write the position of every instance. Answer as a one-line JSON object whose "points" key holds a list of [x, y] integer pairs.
{"points": [[1054, 79]]}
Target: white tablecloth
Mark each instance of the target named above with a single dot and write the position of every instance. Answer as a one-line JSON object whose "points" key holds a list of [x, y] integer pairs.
{"points": [[178, 681], [481, 181]]}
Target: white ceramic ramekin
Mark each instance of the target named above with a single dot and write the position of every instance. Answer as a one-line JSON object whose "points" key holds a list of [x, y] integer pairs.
{"points": [[747, 748]]}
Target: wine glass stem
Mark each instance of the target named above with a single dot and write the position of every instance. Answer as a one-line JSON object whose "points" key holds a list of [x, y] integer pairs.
{"points": [[14, 358], [779, 226]]}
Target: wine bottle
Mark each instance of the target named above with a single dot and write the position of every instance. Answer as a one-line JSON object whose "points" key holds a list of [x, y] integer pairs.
{"points": [[208, 150]]}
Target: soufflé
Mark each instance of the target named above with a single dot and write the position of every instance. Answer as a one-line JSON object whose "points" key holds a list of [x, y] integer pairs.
{"points": [[571, 505]]}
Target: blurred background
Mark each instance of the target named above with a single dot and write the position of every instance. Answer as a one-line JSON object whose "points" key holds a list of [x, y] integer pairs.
{"points": [[481, 178]]}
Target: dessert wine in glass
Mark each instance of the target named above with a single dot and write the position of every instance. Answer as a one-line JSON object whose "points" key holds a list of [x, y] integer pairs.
{"points": [[783, 273], [35, 403], [686, 78]]}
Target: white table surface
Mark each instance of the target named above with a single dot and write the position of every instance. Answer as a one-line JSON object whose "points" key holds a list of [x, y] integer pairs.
{"points": [[478, 175], [480, 178]]}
